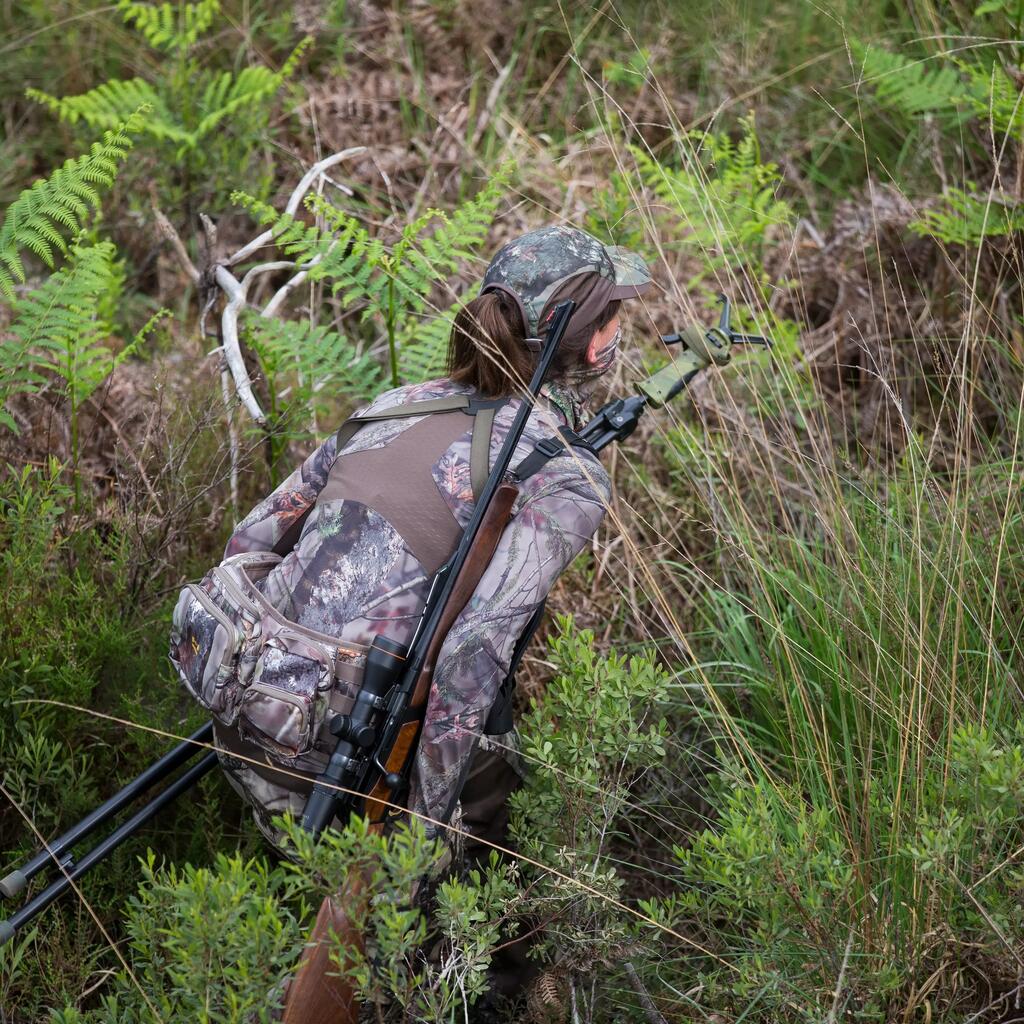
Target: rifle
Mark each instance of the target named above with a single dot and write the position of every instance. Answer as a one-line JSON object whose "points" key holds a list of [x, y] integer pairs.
{"points": [[379, 768]]}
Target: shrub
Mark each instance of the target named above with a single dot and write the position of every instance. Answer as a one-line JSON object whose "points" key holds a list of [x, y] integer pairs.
{"points": [[210, 945]]}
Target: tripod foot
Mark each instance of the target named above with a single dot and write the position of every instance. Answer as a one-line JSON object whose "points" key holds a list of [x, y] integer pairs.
{"points": [[12, 884], [7, 931]]}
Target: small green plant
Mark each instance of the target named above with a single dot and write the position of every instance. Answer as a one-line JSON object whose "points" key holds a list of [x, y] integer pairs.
{"points": [[205, 944], [911, 88], [969, 216], [205, 118], [62, 328], [423, 345], [958, 91], [430, 968]]}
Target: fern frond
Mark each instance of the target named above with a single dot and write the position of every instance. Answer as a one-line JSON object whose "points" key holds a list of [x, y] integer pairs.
{"points": [[303, 242], [423, 345], [994, 97], [172, 27], [113, 102], [227, 94], [310, 362], [724, 196], [42, 216], [968, 217], [909, 87], [60, 327]]}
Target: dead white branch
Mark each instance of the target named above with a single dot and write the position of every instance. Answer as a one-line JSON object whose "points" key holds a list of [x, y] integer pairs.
{"points": [[238, 291], [307, 182]]}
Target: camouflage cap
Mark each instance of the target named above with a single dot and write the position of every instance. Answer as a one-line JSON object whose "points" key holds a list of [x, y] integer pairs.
{"points": [[533, 267]]}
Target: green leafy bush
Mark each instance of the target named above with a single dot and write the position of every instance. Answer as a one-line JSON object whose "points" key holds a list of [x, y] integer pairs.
{"points": [[211, 945], [862, 689], [415, 966], [598, 730]]}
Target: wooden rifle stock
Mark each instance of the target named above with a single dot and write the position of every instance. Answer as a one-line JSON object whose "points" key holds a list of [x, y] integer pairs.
{"points": [[318, 994]]}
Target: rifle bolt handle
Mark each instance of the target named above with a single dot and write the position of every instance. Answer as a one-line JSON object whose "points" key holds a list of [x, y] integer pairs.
{"points": [[393, 781]]}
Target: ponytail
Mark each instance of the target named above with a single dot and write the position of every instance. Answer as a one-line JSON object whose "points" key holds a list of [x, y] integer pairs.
{"points": [[487, 347]]}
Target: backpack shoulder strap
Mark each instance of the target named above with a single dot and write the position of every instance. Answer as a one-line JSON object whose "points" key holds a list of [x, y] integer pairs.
{"points": [[483, 411], [430, 405]]}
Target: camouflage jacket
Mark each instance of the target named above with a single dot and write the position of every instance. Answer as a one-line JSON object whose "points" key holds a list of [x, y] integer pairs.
{"points": [[351, 576]]}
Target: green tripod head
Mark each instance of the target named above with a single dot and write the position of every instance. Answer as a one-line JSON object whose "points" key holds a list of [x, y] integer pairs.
{"points": [[699, 347]]}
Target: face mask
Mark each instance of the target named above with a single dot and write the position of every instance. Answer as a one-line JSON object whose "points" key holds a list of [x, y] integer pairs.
{"points": [[587, 373]]}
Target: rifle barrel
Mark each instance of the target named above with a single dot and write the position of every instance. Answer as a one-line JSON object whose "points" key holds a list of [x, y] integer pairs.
{"points": [[10, 927], [16, 881]]}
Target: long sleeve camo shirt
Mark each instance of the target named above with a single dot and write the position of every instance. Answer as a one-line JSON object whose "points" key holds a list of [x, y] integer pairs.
{"points": [[351, 575]]}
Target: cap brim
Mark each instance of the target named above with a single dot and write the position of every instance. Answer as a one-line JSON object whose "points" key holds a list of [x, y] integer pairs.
{"points": [[632, 277]]}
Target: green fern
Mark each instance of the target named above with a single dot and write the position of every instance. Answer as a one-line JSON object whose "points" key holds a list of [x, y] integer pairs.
{"points": [[397, 283], [307, 369], [107, 104], [189, 104], [994, 97], [423, 345], [723, 199], [319, 357], [59, 328], [910, 87], [222, 96], [967, 217], [390, 283], [173, 28], [42, 218]]}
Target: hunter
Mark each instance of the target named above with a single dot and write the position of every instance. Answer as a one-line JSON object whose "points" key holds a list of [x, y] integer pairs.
{"points": [[362, 529]]}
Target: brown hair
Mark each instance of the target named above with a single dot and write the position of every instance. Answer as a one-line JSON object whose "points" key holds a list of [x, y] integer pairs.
{"points": [[487, 347]]}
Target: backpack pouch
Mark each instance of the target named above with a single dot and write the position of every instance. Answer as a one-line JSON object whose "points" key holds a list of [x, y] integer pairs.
{"points": [[284, 704], [204, 647]]}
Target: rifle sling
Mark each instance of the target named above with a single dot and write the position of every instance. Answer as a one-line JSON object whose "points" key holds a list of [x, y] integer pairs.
{"points": [[547, 449]]}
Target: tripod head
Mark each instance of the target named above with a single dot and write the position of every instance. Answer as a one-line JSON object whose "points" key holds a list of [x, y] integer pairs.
{"points": [[700, 347]]}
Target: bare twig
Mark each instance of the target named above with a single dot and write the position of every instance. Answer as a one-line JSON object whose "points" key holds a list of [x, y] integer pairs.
{"points": [[296, 197], [831, 1018], [166, 230], [651, 1012]]}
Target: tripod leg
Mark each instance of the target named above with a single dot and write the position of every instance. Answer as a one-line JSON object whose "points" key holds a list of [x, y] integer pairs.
{"points": [[35, 906], [15, 881]]}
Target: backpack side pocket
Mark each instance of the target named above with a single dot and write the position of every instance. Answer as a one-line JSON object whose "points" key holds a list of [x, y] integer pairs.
{"points": [[284, 704], [204, 649]]}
